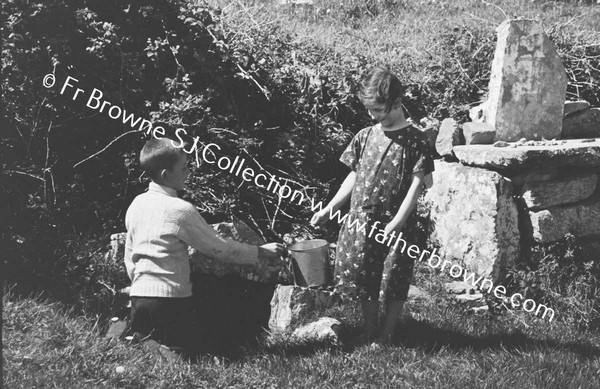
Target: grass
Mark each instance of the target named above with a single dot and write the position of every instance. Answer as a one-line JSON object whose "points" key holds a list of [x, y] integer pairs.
{"points": [[429, 42], [443, 345], [49, 344]]}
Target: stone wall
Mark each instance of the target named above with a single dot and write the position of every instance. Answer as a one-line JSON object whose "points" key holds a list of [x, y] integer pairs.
{"points": [[492, 205], [526, 170]]}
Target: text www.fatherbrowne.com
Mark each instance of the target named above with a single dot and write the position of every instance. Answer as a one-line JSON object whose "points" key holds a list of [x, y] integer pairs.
{"points": [[269, 182], [434, 261]]}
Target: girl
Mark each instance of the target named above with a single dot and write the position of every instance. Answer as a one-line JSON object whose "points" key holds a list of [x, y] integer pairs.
{"points": [[389, 161]]}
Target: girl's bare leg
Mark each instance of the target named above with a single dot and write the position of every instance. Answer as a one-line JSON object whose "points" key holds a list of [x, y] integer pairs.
{"points": [[370, 313], [392, 316]]}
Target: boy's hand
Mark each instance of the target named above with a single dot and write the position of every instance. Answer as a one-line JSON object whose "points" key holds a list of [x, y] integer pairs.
{"points": [[320, 217], [270, 250]]}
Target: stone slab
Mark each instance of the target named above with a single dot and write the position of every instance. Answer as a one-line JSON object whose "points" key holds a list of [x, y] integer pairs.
{"points": [[581, 220], [536, 175], [478, 133], [527, 83], [474, 217], [290, 305], [571, 153], [271, 271], [546, 194], [582, 124], [268, 271]]}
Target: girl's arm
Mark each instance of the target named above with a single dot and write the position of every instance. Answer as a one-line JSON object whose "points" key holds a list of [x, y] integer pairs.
{"points": [[407, 206], [340, 198]]}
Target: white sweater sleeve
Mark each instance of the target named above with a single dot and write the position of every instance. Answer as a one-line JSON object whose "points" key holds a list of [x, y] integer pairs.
{"points": [[129, 265], [197, 233]]}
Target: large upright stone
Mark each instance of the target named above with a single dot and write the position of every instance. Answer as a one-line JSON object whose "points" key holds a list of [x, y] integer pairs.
{"points": [[474, 217], [528, 84]]}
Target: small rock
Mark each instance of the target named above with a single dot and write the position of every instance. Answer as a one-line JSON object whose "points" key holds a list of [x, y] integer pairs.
{"points": [[478, 133], [26, 360], [117, 247], [325, 329], [116, 329], [582, 124], [290, 305], [575, 106], [449, 135], [475, 299], [478, 113], [457, 287], [480, 310], [416, 294]]}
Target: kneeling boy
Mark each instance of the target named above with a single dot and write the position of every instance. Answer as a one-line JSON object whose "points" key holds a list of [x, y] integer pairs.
{"points": [[160, 226]]}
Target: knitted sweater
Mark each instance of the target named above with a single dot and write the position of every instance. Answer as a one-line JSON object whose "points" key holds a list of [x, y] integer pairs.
{"points": [[160, 226]]}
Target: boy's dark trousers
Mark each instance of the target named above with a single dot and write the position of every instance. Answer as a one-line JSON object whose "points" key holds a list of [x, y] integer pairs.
{"points": [[169, 321]]}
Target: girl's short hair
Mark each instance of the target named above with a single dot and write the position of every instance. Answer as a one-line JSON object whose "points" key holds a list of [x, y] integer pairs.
{"points": [[158, 154], [381, 86]]}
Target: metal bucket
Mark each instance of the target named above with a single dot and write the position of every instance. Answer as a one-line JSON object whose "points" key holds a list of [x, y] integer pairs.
{"points": [[310, 262]]}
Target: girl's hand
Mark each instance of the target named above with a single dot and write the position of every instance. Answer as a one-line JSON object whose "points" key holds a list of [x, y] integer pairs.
{"points": [[320, 217], [391, 227]]}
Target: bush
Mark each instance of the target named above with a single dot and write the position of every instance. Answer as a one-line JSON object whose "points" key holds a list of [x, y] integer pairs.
{"points": [[277, 96]]}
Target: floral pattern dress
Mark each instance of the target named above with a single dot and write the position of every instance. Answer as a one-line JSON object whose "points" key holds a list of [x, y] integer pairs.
{"points": [[384, 163]]}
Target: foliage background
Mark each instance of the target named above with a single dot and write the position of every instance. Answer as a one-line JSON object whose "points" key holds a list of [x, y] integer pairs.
{"points": [[275, 85]]}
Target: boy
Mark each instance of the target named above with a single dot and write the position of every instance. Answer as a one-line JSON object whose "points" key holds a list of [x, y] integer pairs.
{"points": [[389, 162], [160, 226]]}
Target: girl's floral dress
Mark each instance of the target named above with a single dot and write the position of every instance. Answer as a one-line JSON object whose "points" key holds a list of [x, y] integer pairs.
{"points": [[384, 163]]}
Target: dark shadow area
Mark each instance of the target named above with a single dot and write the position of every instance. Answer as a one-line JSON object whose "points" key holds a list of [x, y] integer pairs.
{"points": [[233, 312], [420, 334]]}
